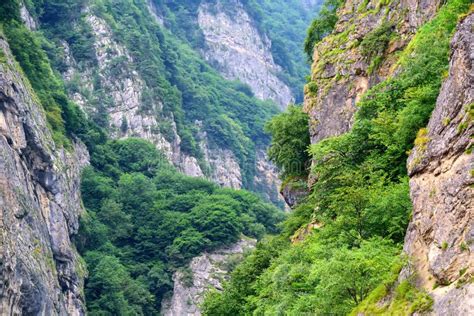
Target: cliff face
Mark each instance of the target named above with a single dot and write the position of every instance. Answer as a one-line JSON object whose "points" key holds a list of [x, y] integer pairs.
{"points": [[236, 48], [440, 237], [205, 272], [343, 71], [41, 272]]}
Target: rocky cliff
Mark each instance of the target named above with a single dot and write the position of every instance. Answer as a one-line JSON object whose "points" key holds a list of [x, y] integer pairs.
{"points": [[440, 238], [41, 272], [343, 70], [205, 272], [235, 46]]}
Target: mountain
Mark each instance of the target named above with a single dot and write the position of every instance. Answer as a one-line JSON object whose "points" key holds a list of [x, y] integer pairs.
{"points": [[382, 203], [149, 146]]}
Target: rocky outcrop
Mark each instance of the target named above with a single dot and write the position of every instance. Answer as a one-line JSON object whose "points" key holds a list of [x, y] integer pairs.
{"points": [[342, 71], [111, 89], [266, 178], [154, 12], [440, 237], [41, 272], [294, 191], [205, 272], [236, 48], [26, 17]]}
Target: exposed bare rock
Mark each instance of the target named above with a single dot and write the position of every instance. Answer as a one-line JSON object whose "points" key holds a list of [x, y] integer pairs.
{"points": [[205, 272], [267, 177], [239, 51], [225, 168], [26, 17], [114, 89], [41, 272], [294, 192], [154, 12], [440, 237], [341, 74]]}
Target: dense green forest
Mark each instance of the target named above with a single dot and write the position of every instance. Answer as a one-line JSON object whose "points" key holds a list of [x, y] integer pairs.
{"points": [[360, 202], [338, 252], [145, 220], [175, 75]]}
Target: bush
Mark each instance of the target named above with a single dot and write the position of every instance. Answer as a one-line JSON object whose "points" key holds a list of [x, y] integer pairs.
{"points": [[290, 141]]}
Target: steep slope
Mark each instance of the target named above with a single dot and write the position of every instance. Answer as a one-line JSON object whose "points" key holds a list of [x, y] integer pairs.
{"points": [[40, 203], [144, 219], [375, 83], [440, 235], [208, 271], [235, 47], [235, 35]]}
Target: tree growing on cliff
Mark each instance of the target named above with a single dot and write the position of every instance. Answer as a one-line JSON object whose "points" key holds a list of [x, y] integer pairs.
{"points": [[290, 141], [321, 26]]}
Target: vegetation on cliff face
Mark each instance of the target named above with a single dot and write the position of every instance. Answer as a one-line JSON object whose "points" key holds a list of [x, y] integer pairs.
{"points": [[321, 26], [175, 76], [64, 118], [290, 140], [144, 219], [359, 207]]}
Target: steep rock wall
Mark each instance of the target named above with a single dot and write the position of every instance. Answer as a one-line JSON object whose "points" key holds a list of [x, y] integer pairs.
{"points": [[41, 272], [342, 72], [440, 237], [238, 50], [205, 272]]}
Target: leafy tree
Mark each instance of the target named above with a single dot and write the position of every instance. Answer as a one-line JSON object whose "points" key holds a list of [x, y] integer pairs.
{"points": [[217, 222], [290, 140], [113, 292], [348, 277]]}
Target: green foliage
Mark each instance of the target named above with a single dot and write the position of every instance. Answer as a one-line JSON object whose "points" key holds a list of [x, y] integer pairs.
{"points": [[283, 21], [376, 41], [175, 75], [407, 299], [321, 26], [315, 277], [189, 88], [290, 140], [374, 45], [145, 220]]}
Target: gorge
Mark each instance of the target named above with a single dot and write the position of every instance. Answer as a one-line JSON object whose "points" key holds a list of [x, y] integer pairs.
{"points": [[150, 148]]}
